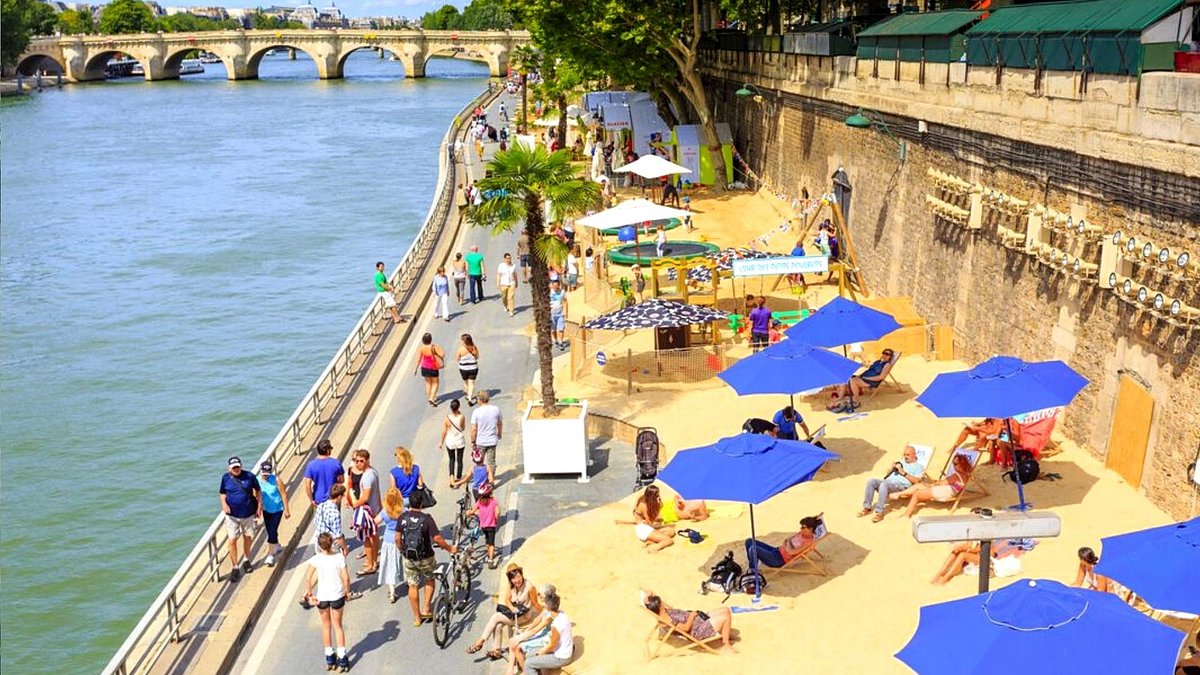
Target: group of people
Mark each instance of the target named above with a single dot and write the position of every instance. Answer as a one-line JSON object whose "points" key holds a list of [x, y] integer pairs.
{"points": [[541, 634]]}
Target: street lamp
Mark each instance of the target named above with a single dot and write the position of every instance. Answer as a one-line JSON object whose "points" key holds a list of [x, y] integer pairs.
{"points": [[860, 120], [749, 90]]}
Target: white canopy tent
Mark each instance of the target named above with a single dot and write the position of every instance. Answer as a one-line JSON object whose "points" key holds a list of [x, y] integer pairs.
{"points": [[631, 212], [653, 166]]}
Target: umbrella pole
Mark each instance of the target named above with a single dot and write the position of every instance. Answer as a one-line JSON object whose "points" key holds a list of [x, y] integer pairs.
{"points": [[1022, 506], [985, 565], [754, 558]]}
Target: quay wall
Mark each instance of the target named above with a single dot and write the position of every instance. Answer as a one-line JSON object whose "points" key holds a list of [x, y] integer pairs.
{"points": [[1123, 154]]}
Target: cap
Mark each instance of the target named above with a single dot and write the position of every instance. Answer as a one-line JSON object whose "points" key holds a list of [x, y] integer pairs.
{"points": [[235, 461], [266, 467]]}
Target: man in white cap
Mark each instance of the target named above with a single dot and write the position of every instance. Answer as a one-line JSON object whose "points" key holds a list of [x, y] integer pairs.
{"points": [[241, 502]]}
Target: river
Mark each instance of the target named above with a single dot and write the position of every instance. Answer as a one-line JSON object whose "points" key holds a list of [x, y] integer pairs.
{"points": [[178, 262]]}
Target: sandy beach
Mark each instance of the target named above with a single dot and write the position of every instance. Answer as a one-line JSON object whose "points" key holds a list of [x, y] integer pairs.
{"points": [[856, 618]]}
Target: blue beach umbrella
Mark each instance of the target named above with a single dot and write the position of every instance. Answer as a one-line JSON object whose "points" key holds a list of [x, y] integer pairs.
{"points": [[841, 322], [1161, 564], [748, 468], [1001, 387], [787, 367], [1039, 626]]}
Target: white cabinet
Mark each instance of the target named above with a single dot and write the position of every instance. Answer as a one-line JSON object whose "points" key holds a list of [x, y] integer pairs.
{"points": [[555, 444]]}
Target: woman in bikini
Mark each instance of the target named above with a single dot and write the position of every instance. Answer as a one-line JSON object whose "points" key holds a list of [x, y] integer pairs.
{"points": [[648, 525], [1087, 577], [700, 625], [430, 359], [944, 490]]}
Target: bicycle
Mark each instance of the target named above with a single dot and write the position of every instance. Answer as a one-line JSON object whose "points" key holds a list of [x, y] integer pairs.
{"points": [[453, 590], [466, 533]]}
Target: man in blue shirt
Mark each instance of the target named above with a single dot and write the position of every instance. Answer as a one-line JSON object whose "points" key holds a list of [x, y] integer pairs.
{"points": [[902, 476], [786, 420], [322, 473], [241, 502]]}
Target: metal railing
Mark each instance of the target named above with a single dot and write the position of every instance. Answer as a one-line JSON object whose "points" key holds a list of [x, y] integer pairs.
{"points": [[162, 623]]}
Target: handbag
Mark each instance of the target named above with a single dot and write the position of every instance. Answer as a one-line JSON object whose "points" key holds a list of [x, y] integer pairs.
{"points": [[427, 498]]}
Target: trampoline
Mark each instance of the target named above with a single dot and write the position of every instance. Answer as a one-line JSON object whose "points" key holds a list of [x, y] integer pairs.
{"points": [[674, 250], [643, 230]]}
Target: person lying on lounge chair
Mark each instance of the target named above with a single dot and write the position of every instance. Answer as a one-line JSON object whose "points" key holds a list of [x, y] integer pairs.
{"points": [[870, 378], [700, 625], [792, 547], [983, 431], [944, 490], [1004, 562]]}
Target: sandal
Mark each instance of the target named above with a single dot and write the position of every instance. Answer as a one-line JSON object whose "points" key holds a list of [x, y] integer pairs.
{"points": [[878, 517], [354, 595], [365, 572], [495, 654], [863, 512], [426, 618], [474, 649]]}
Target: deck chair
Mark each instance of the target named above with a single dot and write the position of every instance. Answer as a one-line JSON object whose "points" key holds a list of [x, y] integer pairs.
{"points": [[886, 379], [664, 630], [975, 488], [924, 456], [807, 561]]}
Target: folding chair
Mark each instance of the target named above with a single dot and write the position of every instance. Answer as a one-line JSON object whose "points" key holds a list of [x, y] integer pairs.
{"points": [[884, 378], [809, 555], [924, 456], [662, 632], [972, 456]]}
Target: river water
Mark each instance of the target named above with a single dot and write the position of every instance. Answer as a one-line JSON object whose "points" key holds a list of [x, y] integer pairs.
{"points": [[178, 262]]}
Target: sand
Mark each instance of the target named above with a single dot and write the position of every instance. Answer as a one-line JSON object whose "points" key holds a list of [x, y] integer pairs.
{"points": [[852, 621]]}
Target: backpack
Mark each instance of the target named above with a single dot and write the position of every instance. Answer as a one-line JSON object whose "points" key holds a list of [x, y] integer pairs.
{"points": [[1025, 468], [724, 577], [416, 546], [752, 582]]}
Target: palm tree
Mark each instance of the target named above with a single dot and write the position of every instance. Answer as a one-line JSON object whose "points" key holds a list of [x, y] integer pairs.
{"points": [[520, 180]]}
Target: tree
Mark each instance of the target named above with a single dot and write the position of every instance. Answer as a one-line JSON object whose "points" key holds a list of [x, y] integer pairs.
{"points": [[444, 18], [22, 20], [184, 22], [126, 16], [486, 15], [260, 20], [77, 22], [520, 180]]}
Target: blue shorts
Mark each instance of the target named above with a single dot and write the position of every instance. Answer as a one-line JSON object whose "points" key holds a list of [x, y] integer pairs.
{"points": [[558, 322], [524, 257]]}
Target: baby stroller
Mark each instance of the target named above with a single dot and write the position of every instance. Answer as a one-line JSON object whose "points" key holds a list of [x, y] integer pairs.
{"points": [[646, 449]]}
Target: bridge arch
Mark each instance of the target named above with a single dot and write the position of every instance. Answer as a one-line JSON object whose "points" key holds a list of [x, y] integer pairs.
{"points": [[174, 59], [32, 64], [254, 58], [93, 69]]}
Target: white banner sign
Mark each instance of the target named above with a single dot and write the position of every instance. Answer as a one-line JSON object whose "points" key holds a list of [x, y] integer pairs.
{"points": [[757, 267]]}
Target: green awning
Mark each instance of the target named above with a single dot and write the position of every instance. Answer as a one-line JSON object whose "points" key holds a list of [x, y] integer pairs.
{"points": [[928, 23], [1089, 16]]}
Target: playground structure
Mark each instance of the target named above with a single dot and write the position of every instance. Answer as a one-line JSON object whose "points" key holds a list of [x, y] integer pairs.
{"points": [[645, 251]]}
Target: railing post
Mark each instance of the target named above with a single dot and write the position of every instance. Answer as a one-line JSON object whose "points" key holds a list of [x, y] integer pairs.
{"points": [[173, 616], [628, 372], [214, 569]]}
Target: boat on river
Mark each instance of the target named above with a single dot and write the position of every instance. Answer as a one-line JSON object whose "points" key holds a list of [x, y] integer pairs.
{"points": [[209, 57], [190, 67]]}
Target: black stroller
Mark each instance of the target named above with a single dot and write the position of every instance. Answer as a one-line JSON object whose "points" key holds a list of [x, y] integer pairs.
{"points": [[647, 456]]}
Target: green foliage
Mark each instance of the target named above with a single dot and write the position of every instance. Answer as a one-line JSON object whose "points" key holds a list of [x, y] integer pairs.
{"points": [[22, 19], [126, 16], [444, 18], [77, 22], [486, 15], [190, 23], [262, 21]]}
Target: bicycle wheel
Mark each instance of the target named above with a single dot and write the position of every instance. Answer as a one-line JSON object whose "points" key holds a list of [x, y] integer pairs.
{"points": [[461, 588], [441, 619], [470, 564]]}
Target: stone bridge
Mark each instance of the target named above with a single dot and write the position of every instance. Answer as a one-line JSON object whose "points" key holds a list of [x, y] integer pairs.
{"points": [[83, 58]]}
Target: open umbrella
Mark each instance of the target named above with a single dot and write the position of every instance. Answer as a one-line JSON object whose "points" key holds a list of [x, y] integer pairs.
{"points": [[631, 212], [1039, 626], [1001, 387], [653, 166], [787, 367], [655, 313], [749, 468], [1161, 564], [841, 321], [724, 259]]}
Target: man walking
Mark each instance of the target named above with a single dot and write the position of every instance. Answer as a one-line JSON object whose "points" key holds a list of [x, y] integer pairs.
{"points": [[385, 291], [322, 474], [506, 282], [523, 255], [416, 533], [241, 502], [487, 428], [475, 276], [558, 314], [902, 476]]}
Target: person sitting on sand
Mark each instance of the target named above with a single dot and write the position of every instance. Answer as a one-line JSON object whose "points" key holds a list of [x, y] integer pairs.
{"points": [[792, 547], [944, 490], [690, 509], [1087, 577], [871, 378], [700, 625], [1004, 561], [649, 527]]}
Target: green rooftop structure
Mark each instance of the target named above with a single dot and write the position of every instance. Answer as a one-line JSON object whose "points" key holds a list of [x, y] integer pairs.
{"points": [[932, 37], [1123, 37]]}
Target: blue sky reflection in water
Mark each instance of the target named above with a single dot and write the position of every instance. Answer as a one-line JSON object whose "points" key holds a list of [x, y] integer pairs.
{"points": [[178, 262]]}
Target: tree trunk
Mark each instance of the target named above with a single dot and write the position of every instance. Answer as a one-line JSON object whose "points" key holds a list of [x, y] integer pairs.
{"points": [[561, 103], [539, 288], [682, 109], [695, 94], [665, 109]]}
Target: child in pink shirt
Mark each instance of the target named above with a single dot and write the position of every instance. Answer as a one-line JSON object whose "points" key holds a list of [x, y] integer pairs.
{"points": [[488, 510]]}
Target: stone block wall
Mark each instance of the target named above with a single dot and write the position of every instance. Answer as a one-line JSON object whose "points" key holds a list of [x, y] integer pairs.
{"points": [[999, 300]]}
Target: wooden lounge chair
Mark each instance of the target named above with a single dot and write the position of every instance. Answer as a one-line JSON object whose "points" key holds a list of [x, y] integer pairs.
{"points": [[975, 488], [806, 562], [924, 456], [664, 630], [886, 379]]}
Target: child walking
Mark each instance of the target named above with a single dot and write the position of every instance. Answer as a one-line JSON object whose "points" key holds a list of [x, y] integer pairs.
{"points": [[488, 510]]}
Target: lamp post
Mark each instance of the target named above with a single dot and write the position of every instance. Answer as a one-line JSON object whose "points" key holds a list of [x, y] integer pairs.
{"points": [[983, 528], [862, 120]]}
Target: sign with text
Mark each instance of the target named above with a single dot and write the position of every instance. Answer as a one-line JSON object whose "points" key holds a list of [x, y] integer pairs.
{"points": [[757, 267]]}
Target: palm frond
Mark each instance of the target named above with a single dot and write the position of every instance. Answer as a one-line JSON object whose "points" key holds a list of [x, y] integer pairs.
{"points": [[551, 249]]}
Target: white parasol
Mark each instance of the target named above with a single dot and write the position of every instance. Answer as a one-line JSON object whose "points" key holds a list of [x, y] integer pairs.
{"points": [[631, 212], [653, 166]]}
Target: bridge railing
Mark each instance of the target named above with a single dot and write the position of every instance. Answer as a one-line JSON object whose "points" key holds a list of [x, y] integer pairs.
{"points": [[162, 623]]}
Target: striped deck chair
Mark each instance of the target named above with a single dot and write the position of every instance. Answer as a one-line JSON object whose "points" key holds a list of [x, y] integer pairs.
{"points": [[806, 562], [975, 488], [887, 380]]}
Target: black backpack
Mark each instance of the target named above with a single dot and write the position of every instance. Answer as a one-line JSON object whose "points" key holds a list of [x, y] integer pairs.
{"points": [[752, 582], [414, 544], [724, 577], [1025, 468]]}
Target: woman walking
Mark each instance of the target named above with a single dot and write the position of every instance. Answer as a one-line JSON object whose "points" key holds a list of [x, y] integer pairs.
{"points": [[328, 584], [275, 508], [454, 440], [441, 295], [468, 366], [430, 359], [406, 476], [362, 495], [460, 276], [390, 568]]}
